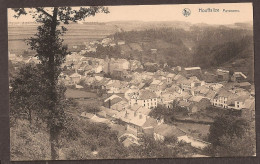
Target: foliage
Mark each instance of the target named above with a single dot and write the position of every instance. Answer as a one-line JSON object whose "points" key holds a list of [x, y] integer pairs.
{"points": [[232, 146], [50, 51], [231, 136], [25, 96], [168, 114], [150, 148]]}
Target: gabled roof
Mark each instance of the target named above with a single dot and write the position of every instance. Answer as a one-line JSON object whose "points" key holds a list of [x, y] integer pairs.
{"points": [[196, 98], [143, 110], [179, 78], [146, 94], [202, 89], [168, 131], [150, 122]]}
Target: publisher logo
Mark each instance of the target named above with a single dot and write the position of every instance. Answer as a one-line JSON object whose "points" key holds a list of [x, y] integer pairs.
{"points": [[186, 12]]}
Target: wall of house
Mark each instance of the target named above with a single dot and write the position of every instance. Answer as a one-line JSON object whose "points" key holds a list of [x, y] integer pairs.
{"points": [[220, 102]]}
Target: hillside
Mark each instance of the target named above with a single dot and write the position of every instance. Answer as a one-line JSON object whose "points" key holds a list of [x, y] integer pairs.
{"points": [[205, 46], [177, 43]]}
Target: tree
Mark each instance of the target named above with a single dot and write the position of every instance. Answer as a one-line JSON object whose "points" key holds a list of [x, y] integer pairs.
{"points": [[47, 43], [231, 136], [232, 146], [25, 93]]}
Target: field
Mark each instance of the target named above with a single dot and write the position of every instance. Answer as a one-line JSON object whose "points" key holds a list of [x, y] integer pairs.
{"points": [[77, 34], [196, 130]]}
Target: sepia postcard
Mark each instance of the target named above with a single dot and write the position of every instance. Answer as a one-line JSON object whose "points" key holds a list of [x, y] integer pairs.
{"points": [[131, 82]]}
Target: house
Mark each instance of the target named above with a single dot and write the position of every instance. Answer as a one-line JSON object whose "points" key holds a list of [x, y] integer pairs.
{"points": [[187, 85], [112, 100], [121, 42], [163, 131], [238, 77], [137, 120], [196, 99], [170, 78], [174, 88], [131, 91], [240, 102], [199, 105], [168, 99], [223, 75], [119, 106], [224, 99], [113, 86], [184, 104], [244, 85], [157, 85], [144, 98], [192, 71], [75, 78], [107, 113], [200, 91], [128, 139], [179, 78], [98, 69]]}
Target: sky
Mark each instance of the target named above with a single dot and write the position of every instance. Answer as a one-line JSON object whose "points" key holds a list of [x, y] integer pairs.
{"points": [[169, 13]]}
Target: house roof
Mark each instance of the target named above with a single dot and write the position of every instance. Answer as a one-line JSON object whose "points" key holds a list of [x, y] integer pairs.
{"points": [[168, 131], [201, 89], [211, 94], [119, 105], [113, 97], [75, 75], [196, 98], [144, 110], [150, 122], [146, 94], [108, 111], [171, 75], [156, 82], [179, 77], [192, 68], [244, 84], [98, 119], [184, 103], [237, 74]]}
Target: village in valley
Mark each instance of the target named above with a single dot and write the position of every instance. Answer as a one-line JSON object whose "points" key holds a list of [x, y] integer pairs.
{"points": [[128, 97]]}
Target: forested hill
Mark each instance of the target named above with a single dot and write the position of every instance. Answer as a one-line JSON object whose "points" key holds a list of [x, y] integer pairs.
{"points": [[204, 46]]}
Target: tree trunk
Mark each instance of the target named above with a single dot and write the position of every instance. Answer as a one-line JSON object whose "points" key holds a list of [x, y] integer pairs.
{"points": [[52, 90]]}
